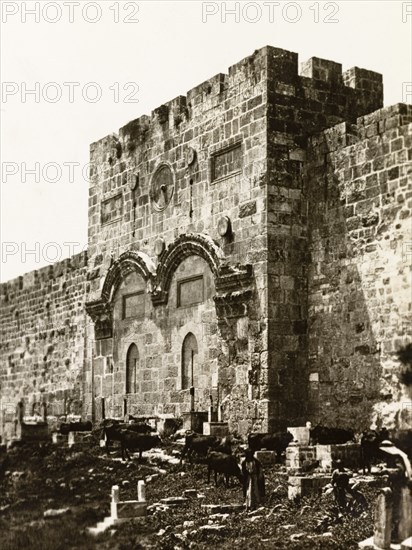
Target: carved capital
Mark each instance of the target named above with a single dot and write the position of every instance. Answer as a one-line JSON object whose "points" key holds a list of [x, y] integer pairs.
{"points": [[159, 297], [232, 278], [233, 304], [101, 314]]}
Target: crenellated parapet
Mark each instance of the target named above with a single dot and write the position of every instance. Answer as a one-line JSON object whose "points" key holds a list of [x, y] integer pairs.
{"points": [[274, 70]]}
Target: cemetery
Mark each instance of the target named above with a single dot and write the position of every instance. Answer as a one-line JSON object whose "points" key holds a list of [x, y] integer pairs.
{"points": [[246, 284], [62, 491]]}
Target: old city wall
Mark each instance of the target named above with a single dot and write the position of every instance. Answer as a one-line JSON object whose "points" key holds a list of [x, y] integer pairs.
{"points": [[263, 111], [279, 252], [42, 350], [359, 313], [223, 121], [299, 106]]}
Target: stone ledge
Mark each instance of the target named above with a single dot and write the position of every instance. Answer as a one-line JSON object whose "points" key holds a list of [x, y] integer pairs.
{"points": [[131, 509], [219, 429], [300, 486]]}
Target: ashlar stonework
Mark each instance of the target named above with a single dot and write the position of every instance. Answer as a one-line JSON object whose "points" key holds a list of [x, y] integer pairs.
{"points": [[250, 240]]}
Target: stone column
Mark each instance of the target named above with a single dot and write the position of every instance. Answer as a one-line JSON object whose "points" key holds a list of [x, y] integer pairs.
{"points": [[19, 418], [210, 410], [141, 491], [404, 527], [383, 519], [115, 501]]}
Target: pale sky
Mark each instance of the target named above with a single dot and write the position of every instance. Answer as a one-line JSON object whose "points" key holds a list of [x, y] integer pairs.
{"points": [[164, 51]]}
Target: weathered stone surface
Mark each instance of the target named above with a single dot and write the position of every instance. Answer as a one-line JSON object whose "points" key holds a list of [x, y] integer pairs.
{"points": [[190, 493], [174, 501], [218, 429], [300, 486], [131, 509], [383, 519], [247, 209], [43, 324], [301, 435], [293, 312]]}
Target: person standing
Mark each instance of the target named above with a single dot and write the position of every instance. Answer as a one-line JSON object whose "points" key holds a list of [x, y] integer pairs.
{"points": [[253, 481]]}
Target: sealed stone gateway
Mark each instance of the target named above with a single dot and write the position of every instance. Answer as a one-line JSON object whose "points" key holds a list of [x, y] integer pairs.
{"points": [[246, 240]]}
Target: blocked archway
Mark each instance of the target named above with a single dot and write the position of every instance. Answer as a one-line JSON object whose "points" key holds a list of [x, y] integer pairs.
{"points": [[189, 361], [127, 263], [184, 247], [132, 363]]}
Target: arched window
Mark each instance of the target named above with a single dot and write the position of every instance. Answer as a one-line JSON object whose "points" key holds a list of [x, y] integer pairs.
{"points": [[131, 369], [189, 360]]}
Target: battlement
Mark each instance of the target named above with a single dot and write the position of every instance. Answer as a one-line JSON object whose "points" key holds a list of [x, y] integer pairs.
{"points": [[44, 275], [384, 119], [322, 69], [367, 126], [268, 68]]}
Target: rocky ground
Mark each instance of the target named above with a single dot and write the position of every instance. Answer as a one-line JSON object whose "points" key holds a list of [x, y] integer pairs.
{"points": [[39, 479]]}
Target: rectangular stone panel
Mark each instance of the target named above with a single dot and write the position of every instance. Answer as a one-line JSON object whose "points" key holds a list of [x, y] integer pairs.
{"points": [[299, 486], [190, 291], [111, 209], [227, 162], [133, 305]]}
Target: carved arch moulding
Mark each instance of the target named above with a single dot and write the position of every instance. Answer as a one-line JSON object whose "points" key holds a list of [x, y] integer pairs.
{"points": [[101, 310], [183, 247], [127, 263], [233, 283]]}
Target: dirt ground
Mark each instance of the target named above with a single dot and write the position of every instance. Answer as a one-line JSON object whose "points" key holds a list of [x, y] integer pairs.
{"points": [[40, 477]]}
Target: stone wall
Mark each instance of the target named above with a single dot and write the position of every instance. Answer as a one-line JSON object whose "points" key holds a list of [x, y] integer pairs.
{"points": [[300, 457], [42, 352], [235, 146], [360, 313], [213, 141], [299, 105], [159, 337], [257, 218]]}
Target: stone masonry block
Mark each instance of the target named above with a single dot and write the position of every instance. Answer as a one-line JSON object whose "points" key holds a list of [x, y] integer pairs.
{"points": [[321, 69], [218, 429], [300, 486], [131, 509]]}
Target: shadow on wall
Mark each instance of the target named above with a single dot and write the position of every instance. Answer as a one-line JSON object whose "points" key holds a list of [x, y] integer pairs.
{"points": [[344, 356], [405, 357], [358, 290]]}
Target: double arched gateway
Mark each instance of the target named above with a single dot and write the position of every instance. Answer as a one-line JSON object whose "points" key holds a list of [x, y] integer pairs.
{"points": [[161, 330]]}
